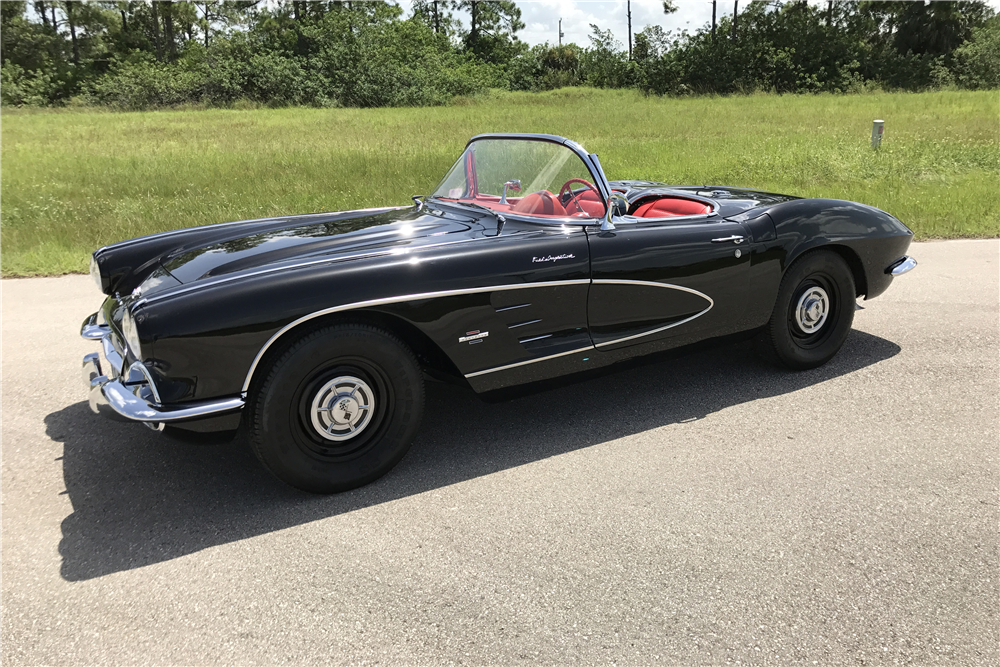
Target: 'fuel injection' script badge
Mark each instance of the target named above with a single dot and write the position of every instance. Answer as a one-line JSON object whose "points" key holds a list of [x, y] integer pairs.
{"points": [[550, 258], [473, 335]]}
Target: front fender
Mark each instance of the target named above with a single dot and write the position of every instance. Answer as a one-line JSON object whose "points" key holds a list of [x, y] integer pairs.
{"points": [[205, 341], [875, 237]]}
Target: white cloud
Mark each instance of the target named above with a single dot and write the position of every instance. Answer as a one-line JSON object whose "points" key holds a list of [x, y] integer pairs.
{"points": [[541, 17]]}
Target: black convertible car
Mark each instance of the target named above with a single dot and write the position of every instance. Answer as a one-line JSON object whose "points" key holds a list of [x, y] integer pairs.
{"points": [[526, 263]]}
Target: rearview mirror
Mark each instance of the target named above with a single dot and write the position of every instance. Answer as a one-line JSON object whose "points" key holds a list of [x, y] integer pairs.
{"points": [[616, 205], [514, 184]]}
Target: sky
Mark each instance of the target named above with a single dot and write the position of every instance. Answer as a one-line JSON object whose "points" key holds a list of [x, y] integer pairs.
{"points": [[541, 17]]}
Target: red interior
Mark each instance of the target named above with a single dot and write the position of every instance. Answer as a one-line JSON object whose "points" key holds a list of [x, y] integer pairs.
{"points": [[671, 206], [544, 204], [590, 203]]}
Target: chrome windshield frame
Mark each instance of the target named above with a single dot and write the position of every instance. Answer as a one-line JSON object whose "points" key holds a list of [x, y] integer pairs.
{"points": [[590, 161]]}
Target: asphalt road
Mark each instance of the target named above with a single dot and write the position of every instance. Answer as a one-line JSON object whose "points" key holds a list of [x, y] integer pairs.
{"points": [[708, 509]]}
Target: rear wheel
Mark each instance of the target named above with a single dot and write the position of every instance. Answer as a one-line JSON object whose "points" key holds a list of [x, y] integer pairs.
{"points": [[337, 409], [814, 311]]}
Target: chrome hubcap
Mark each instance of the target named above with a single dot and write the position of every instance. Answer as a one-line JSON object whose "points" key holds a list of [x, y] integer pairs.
{"points": [[812, 310], [342, 408]]}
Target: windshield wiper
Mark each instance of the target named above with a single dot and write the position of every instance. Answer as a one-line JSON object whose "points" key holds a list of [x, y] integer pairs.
{"points": [[496, 214]]}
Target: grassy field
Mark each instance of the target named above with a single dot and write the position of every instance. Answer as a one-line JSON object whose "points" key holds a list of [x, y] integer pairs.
{"points": [[73, 181]]}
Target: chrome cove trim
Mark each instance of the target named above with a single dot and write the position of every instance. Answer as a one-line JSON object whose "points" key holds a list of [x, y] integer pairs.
{"points": [[478, 290], [401, 299], [529, 361], [711, 304], [904, 265]]}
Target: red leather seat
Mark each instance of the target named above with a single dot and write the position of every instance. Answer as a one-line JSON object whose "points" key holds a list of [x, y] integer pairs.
{"points": [[542, 202], [671, 206], [591, 204]]}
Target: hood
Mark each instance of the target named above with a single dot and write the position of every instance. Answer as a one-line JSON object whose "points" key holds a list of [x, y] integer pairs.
{"points": [[731, 201], [324, 237]]}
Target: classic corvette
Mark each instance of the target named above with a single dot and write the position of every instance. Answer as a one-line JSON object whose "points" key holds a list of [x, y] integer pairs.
{"points": [[316, 332]]}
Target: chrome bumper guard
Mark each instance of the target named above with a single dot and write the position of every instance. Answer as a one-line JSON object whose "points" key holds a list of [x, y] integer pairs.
{"points": [[901, 266], [130, 394]]}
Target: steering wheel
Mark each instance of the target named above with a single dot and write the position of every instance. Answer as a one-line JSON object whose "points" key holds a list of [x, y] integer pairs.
{"points": [[566, 190]]}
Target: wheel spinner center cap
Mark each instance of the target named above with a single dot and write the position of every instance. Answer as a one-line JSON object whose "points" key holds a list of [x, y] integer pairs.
{"points": [[342, 408], [812, 310], [345, 410]]}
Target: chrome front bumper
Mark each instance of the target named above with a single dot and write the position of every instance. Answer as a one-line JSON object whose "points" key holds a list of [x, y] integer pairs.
{"points": [[903, 265], [130, 394]]}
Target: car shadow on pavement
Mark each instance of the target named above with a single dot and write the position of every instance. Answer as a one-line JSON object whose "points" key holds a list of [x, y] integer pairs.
{"points": [[140, 498]]}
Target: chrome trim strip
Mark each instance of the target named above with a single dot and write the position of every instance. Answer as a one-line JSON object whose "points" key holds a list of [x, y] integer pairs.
{"points": [[528, 340], [648, 283], [711, 304], [529, 361], [520, 305], [523, 324], [905, 265], [399, 299]]}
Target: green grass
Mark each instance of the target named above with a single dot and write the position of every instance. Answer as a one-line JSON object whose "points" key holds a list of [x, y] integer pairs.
{"points": [[75, 180]]}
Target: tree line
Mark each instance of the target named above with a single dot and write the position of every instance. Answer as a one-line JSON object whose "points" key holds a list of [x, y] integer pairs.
{"points": [[135, 54]]}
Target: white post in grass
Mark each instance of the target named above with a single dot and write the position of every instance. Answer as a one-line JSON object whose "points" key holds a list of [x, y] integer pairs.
{"points": [[877, 127]]}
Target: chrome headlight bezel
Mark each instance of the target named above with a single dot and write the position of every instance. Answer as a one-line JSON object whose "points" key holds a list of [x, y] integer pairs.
{"points": [[95, 273], [131, 335]]}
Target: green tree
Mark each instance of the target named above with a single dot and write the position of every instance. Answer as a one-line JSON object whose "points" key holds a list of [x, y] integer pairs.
{"points": [[437, 14], [493, 26], [977, 61]]}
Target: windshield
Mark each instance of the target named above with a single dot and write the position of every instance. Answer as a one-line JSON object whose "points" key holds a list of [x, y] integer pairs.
{"points": [[537, 178]]}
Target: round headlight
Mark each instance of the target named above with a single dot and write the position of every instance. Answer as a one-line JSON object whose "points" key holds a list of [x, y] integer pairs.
{"points": [[95, 273], [131, 335]]}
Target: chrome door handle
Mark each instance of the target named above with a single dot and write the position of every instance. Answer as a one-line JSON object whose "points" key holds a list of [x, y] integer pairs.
{"points": [[734, 239]]}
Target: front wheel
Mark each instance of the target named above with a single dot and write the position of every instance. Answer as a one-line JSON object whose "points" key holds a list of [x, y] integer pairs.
{"points": [[814, 311], [337, 409]]}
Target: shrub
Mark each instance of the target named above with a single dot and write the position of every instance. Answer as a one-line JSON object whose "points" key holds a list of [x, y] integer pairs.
{"points": [[144, 85], [977, 61]]}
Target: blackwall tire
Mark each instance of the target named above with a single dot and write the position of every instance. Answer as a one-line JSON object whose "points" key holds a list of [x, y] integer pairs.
{"points": [[337, 408], [814, 311]]}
